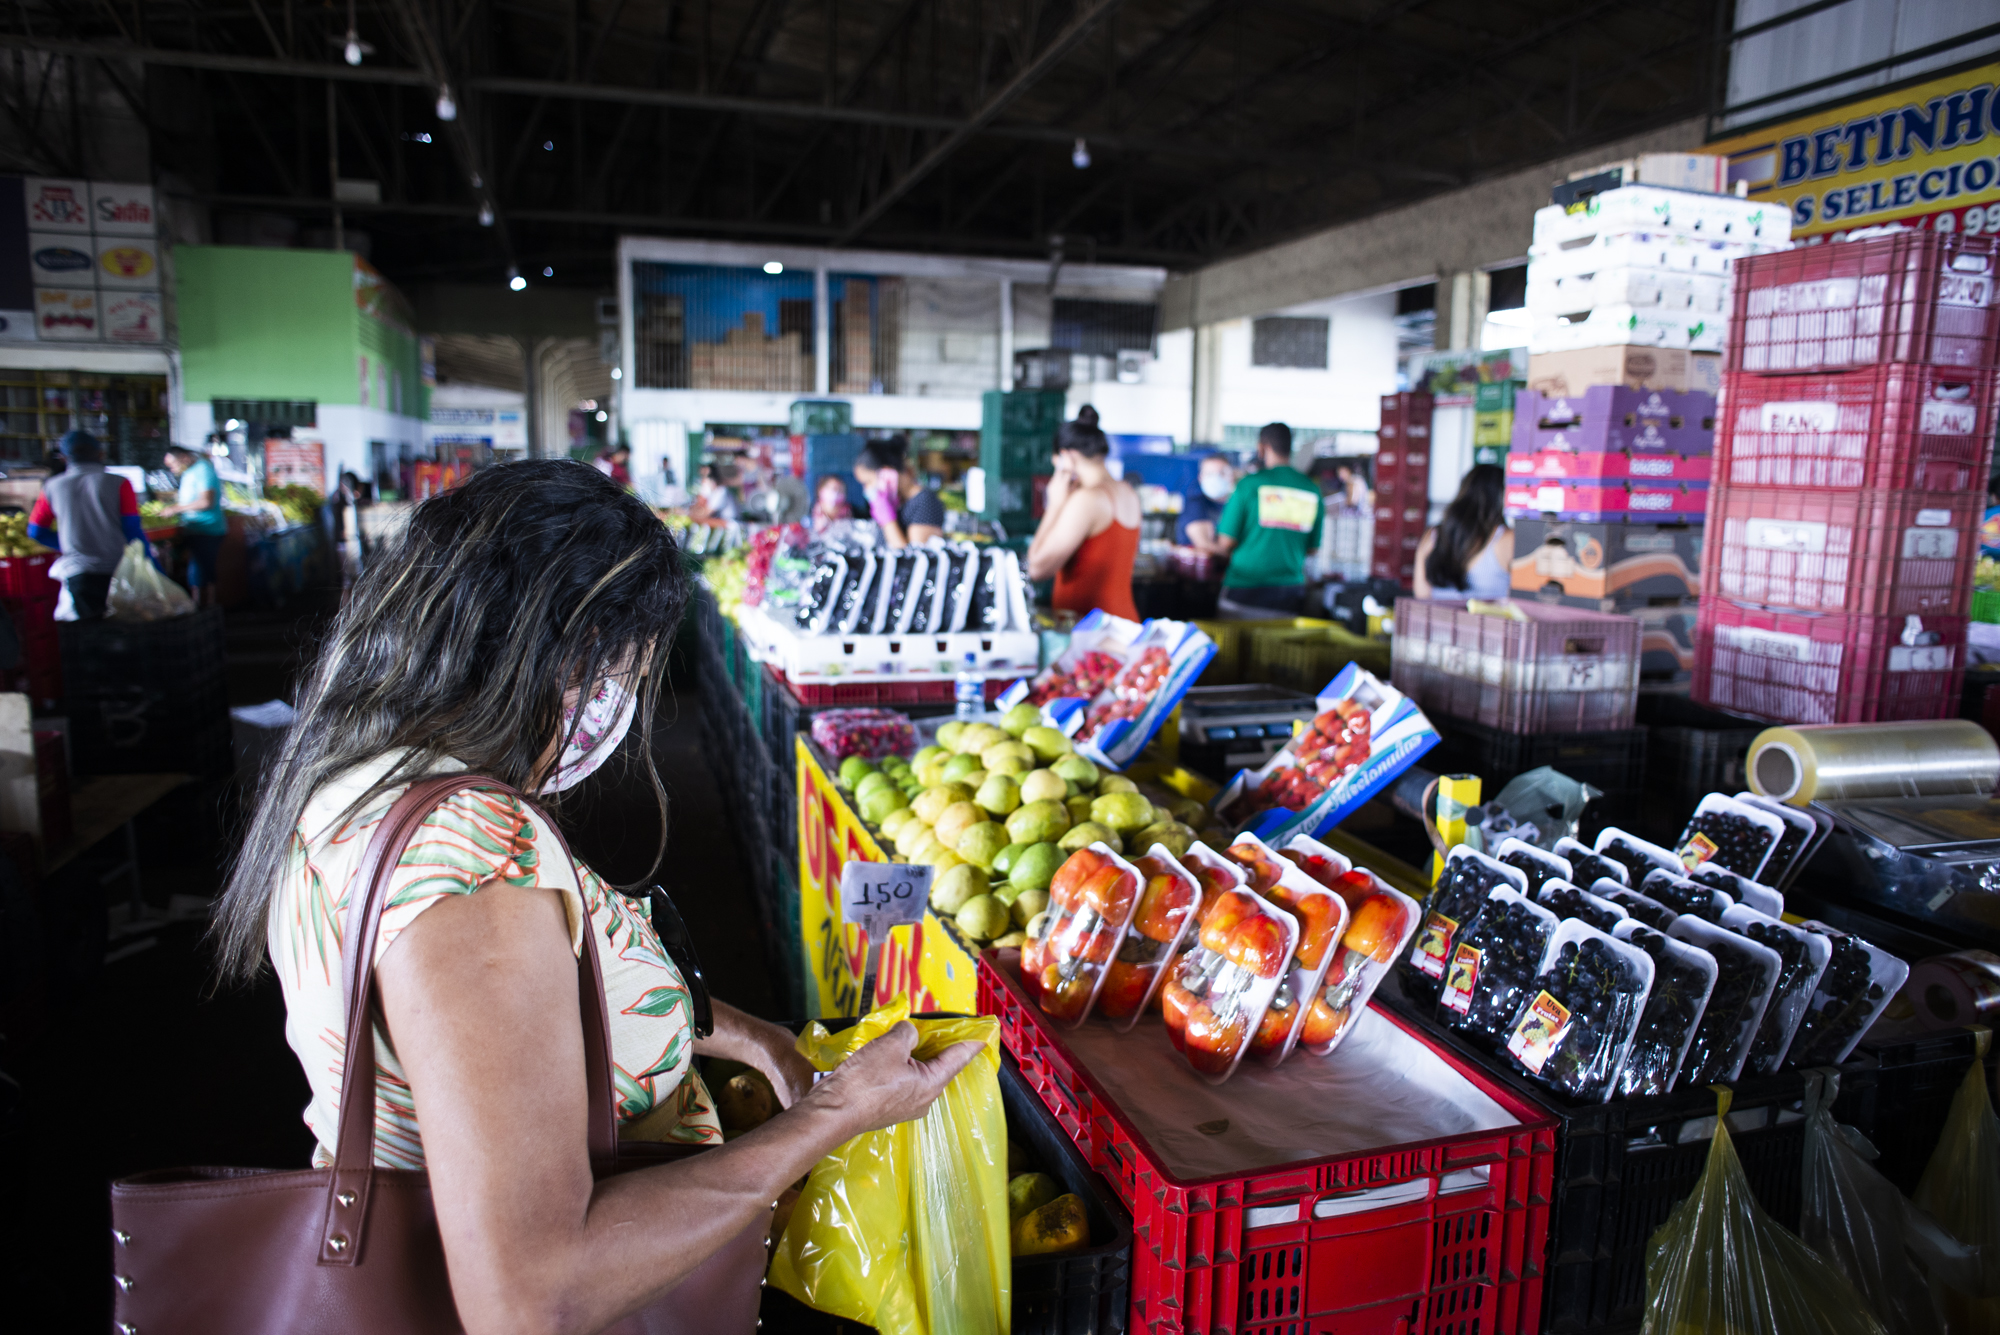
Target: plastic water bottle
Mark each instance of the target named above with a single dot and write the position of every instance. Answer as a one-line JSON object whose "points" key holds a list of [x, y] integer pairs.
{"points": [[969, 690]]}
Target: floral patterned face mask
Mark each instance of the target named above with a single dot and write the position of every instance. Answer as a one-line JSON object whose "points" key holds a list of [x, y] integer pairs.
{"points": [[607, 716]]}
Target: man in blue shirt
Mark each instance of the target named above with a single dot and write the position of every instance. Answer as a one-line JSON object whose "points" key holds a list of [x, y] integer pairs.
{"points": [[203, 523]]}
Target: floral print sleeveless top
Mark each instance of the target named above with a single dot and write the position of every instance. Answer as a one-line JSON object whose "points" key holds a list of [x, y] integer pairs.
{"points": [[473, 838]]}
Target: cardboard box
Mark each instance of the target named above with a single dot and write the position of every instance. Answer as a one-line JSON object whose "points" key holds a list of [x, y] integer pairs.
{"points": [[1573, 372], [1616, 465], [1609, 418], [1678, 290], [1647, 326], [1707, 172], [1494, 396], [1493, 428], [1590, 500], [1607, 567], [1666, 642], [1655, 209]]}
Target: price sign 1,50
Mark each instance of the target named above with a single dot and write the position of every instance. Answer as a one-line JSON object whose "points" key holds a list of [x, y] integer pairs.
{"points": [[879, 896]]}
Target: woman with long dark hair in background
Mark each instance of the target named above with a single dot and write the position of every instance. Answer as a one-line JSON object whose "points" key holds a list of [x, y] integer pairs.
{"points": [[515, 632], [1470, 554], [1089, 532]]}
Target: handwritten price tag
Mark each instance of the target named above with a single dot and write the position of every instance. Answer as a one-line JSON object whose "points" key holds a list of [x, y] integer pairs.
{"points": [[876, 896]]}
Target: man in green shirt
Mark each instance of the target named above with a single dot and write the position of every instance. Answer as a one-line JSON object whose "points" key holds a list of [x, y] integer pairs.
{"points": [[1270, 524]]}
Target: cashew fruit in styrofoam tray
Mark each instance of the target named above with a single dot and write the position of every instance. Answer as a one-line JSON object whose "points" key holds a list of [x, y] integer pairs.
{"points": [[1364, 735], [1115, 684]]}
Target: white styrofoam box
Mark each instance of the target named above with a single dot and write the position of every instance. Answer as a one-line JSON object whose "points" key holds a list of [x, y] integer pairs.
{"points": [[1638, 250], [1647, 208], [864, 658], [1612, 326], [1669, 289]]}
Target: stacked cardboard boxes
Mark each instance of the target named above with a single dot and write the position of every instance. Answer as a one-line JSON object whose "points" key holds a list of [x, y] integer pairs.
{"points": [[1493, 420], [1857, 422], [1402, 486], [1612, 446]]}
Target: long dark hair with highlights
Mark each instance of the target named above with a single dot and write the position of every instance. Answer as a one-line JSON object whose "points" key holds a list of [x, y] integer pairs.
{"points": [[461, 640], [1467, 526]]}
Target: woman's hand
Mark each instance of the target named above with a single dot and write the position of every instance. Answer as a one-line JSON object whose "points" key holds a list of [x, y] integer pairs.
{"points": [[1061, 483], [885, 1083], [770, 1048]]}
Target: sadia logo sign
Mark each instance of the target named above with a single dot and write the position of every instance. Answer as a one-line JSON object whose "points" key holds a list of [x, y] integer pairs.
{"points": [[126, 262]]}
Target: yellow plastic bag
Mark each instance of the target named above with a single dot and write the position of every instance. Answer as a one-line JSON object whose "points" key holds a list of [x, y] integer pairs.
{"points": [[905, 1229], [1961, 1190], [1720, 1264]]}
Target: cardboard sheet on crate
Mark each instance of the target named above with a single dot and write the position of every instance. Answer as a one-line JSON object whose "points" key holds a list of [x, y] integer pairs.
{"points": [[1380, 1087]]}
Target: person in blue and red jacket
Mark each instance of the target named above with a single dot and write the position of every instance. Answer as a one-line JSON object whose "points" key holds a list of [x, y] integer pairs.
{"points": [[88, 515]]}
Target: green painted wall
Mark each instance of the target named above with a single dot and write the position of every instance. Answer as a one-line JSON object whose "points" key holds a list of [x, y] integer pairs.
{"points": [[260, 323]]}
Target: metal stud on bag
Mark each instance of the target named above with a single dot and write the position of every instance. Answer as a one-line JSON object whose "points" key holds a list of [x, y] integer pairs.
{"points": [[346, 1198], [123, 1239], [124, 1282], [337, 1243]]}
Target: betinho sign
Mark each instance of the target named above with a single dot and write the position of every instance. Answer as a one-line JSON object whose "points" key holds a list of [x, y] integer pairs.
{"points": [[1926, 156]]}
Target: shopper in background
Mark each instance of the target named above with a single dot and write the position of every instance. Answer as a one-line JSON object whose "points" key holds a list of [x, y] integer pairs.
{"points": [[1200, 508], [830, 503], [614, 461], [908, 513], [88, 515], [1271, 524], [1989, 524], [1470, 554], [517, 630], [1089, 532], [203, 522], [340, 517], [1351, 478], [715, 503]]}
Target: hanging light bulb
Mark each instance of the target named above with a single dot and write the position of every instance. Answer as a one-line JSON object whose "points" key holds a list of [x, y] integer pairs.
{"points": [[1079, 157], [514, 279], [485, 214], [448, 110], [773, 267], [353, 51]]}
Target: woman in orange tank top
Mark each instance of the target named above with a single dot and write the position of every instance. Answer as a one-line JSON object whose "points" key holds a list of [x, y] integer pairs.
{"points": [[1089, 532]]}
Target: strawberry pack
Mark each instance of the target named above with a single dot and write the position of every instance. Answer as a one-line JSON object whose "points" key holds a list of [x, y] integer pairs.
{"points": [[1363, 735], [1115, 684]]}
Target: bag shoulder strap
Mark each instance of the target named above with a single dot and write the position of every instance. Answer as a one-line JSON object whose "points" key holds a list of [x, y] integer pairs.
{"points": [[352, 1176]]}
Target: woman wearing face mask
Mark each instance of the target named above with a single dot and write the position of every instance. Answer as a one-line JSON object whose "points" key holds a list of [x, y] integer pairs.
{"points": [[1199, 512], [1089, 532], [511, 633]]}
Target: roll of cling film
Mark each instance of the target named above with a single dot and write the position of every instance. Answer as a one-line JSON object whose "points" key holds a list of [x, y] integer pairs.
{"points": [[1843, 762]]}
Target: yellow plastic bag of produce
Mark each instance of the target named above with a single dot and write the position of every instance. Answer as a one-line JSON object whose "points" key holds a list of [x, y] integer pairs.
{"points": [[1961, 1190], [1720, 1264], [905, 1229]]}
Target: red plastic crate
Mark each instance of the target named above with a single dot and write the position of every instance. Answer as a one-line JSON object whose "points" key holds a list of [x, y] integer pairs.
{"points": [[1558, 669], [882, 692], [1929, 428], [1795, 667], [1910, 297], [1403, 443], [1874, 553], [1204, 1263], [28, 577]]}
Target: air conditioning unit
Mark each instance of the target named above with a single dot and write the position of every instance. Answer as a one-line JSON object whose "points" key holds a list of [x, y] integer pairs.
{"points": [[1132, 364]]}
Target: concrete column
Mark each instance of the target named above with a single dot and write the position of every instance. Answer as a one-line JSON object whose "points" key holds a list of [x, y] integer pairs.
{"points": [[822, 335], [1207, 384], [531, 407], [1462, 302], [1006, 333]]}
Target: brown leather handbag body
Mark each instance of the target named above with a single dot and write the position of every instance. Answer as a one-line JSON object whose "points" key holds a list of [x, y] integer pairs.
{"points": [[237, 1251]]}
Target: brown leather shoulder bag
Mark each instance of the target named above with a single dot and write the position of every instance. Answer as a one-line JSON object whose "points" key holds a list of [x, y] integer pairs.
{"points": [[246, 1251]]}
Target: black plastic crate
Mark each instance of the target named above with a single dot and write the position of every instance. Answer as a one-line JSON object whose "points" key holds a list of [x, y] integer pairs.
{"points": [[179, 653], [1904, 1112], [1622, 1167], [1694, 749], [1613, 761]]}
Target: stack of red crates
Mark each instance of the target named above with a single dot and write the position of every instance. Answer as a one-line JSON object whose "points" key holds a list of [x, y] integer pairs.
{"points": [[1855, 429], [29, 598], [1402, 485]]}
